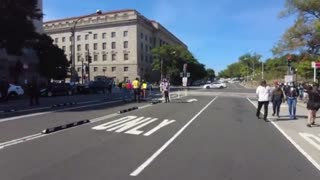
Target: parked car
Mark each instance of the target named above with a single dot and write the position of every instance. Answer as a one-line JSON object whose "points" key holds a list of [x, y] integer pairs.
{"points": [[215, 85], [100, 86], [14, 91], [55, 89]]}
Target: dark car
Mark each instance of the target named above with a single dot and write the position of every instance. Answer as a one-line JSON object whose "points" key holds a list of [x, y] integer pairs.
{"points": [[99, 86], [55, 89]]}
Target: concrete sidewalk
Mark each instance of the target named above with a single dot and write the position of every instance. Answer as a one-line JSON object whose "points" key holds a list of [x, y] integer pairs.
{"points": [[305, 139]]}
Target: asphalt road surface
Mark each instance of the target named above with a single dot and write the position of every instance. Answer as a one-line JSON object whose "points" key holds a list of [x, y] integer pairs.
{"points": [[199, 136]]}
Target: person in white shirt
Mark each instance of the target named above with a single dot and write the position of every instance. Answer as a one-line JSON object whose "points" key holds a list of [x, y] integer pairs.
{"points": [[263, 93]]}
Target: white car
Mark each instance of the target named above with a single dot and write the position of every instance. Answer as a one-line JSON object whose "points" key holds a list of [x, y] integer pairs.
{"points": [[216, 85], [15, 90]]}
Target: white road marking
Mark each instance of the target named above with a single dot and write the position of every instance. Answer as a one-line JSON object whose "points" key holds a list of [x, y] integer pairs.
{"points": [[165, 145], [113, 123], [60, 110], [161, 125], [128, 125], [299, 148], [20, 140], [312, 139], [192, 100], [136, 131]]}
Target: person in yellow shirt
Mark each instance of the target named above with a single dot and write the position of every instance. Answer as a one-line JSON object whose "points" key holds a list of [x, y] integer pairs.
{"points": [[136, 89], [144, 88]]}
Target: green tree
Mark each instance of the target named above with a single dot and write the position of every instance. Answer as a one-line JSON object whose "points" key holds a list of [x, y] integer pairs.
{"points": [[304, 35], [16, 23], [211, 73], [53, 61]]}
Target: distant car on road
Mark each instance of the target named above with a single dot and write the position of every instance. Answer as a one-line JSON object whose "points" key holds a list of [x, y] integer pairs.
{"points": [[215, 85]]}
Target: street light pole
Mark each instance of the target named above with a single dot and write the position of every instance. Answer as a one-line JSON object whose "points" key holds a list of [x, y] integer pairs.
{"points": [[161, 69], [73, 53], [262, 71]]}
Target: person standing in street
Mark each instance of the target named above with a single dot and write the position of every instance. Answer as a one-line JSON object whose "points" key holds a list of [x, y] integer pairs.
{"points": [[277, 98], [34, 91], [263, 93], [136, 89], [144, 88], [313, 104], [292, 93], [4, 86], [166, 88]]}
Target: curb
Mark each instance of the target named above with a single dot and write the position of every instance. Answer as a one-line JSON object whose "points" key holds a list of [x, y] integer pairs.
{"points": [[8, 110], [63, 104], [66, 126], [127, 110]]}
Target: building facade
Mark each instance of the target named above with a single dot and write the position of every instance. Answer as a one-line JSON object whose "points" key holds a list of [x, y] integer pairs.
{"points": [[119, 43]]}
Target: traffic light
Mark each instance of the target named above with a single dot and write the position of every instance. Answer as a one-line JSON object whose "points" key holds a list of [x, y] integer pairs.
{"points": [[289, 59], [89, 59]]}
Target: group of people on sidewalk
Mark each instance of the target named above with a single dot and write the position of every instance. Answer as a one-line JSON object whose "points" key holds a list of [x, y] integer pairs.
{"points": [[136, 89], [289, 93]]}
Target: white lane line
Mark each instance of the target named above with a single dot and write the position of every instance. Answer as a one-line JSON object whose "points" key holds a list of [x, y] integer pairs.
{"points": [[165, 145], [302, 151], [60, 110]]}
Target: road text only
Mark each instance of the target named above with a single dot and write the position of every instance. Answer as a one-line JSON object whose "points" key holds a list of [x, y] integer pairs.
{"points": [[133, 125]]}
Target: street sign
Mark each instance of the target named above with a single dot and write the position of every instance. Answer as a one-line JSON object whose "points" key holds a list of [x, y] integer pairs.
{"points": [[188, 74], [315, 64], [288, 78], [184, 81]]}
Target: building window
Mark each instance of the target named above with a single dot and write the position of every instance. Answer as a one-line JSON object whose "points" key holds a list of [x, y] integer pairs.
{"points": [[95, 69], [113, 34], [146, 37], [104, 69], [63, 39], [113, 57], [78, 47], [125, 44], [56, 40], [87, 47], [126, 69], [70, 38], [78, 38], [104, 35], [150, 39], [126, 57], [141, 57], [95, 46], [141, 35], [146, 48], [104, 57], [70, 47], [113, 45], [95, 36], [125, 33], [141, 46], [95, 57], [125, 79], [86, 36], [104, 45], [113, 69], [64, 48], [79, 69], [141, 70], [79, 58], [146, 58]]}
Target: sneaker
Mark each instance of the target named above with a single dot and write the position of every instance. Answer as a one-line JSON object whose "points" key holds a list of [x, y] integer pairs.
{"points": [[309, 125], [265, 119], [273, 114], [313, 123]]}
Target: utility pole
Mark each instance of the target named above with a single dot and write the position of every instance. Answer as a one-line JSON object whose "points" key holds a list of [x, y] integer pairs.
{"points": [[262, 71]]}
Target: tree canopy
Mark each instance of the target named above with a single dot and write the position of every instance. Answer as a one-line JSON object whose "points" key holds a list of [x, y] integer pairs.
{"points": [[16, 23], [304, 34], [53, 62], [173, 57]]}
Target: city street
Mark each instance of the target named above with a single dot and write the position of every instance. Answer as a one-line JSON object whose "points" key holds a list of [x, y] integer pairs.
{"points": [[201, 134]]}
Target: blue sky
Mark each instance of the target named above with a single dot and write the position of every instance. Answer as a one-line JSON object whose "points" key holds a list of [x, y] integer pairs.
{"points": [[217, 32]]}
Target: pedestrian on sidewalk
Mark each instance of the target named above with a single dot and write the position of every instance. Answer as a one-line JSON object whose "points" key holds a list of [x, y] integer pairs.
{"points": [[4, 86], [292, 93], [277, 98], [313, 104], [263, 93]]}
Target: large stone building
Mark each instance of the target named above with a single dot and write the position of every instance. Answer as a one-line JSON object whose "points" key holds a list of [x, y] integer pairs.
{"points": [[119, 43]]}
